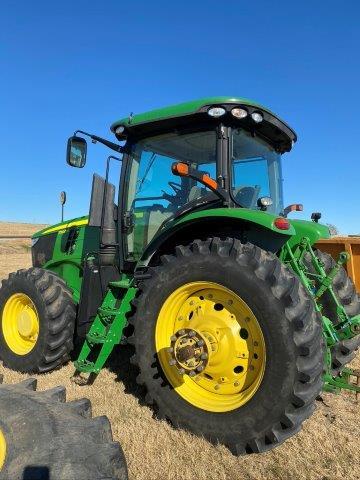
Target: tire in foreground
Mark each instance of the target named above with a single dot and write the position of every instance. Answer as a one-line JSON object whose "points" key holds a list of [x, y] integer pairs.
{"points": [[43, 437]]}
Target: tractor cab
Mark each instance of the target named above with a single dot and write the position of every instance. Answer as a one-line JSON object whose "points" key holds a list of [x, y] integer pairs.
{"points": [[232, 141], [229, 147], [158, 193]]}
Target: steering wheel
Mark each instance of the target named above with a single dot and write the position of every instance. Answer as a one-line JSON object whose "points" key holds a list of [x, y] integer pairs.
{"points": [[175, 186]]}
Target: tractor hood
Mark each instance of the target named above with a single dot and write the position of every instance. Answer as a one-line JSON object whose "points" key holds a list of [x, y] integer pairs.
{"points": [[58, 227]]}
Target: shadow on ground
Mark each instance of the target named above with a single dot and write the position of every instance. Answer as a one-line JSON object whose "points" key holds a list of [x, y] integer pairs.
{"points": [[119, 364]]}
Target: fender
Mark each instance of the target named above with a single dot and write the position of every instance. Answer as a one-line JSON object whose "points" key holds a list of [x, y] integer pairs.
{"points": [[248, 225], [304, 228]]}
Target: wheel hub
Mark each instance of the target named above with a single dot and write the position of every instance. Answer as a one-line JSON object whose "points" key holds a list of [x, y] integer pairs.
{"points": [[20, 323], [210, 346], [26, 324], [189, 352]]}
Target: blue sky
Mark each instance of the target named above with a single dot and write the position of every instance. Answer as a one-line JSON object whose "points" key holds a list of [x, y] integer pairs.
{"points": [[80, 64]]}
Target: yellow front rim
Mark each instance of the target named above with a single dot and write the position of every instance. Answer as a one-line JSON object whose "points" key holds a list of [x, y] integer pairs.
{"points": [[210, 346], [20, 324], [2, 449]]}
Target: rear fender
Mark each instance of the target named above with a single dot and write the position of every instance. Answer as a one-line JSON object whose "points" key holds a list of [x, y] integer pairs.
{"points": [[247, 225]]}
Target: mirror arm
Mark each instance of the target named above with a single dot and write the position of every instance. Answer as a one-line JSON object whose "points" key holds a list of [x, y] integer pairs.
{"points": [[107, 143]]}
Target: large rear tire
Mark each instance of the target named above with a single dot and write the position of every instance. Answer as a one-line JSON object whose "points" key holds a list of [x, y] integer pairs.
{"points": [[241, 288], [44, 438], [37, 321]]}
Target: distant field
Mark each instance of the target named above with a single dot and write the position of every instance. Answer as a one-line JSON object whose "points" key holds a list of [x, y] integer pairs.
{"points": [[19, 229], [14, 253], [326, 449]]}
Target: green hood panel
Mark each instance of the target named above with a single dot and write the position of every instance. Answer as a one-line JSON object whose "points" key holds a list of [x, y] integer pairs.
{"points": [[75, 222]]}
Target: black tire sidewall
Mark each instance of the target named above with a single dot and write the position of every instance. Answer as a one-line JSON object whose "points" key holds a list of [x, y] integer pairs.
{"points": [[276, 389]]}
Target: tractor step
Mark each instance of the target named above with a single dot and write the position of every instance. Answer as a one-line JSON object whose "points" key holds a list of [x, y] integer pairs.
{"points": [[96, 338], [125, 283], [84, 366], [106, 330]]}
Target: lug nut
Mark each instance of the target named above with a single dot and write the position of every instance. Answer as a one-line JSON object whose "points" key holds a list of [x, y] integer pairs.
{"points": [[200, 343], [200, 368], [181, 332], [192, 333], [173, 338], [170, 350], [204, 356], [181, 371], [172, 362], [192, 373]]}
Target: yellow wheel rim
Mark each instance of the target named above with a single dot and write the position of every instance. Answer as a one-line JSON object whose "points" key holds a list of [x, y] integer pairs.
{"points": [[20, 324], [210, 346], [2, 449]]}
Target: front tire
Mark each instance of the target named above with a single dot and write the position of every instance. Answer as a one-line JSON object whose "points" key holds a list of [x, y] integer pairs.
{"points": [[37, 321], [289, 325]]}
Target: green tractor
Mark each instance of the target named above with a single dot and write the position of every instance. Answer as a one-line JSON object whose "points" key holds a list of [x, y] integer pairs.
{"points": [[236, 320]]}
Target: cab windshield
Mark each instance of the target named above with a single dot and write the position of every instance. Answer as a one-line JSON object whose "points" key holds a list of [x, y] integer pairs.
{"points": [[155, 195], [256, 172]]}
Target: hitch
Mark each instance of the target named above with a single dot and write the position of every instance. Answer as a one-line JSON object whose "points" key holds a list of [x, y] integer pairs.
{"points": [[326, 282], [349, 379]]}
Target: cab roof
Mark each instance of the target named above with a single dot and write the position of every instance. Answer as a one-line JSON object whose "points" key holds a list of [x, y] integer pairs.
{"points": [[155, 121]]}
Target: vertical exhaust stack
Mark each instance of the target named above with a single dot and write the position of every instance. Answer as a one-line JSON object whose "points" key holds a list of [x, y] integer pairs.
{"points": [[102, 214]]}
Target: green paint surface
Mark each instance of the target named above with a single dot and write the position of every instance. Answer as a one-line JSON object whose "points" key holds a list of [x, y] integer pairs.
{"points": [[183, 109], [255, 216], [305, 228]]}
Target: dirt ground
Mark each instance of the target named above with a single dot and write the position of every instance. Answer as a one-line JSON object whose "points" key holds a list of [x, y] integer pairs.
{"points": [[326, 448]]}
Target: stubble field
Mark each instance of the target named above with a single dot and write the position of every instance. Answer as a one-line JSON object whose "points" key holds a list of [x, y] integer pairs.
{"points": [[326, 448]]}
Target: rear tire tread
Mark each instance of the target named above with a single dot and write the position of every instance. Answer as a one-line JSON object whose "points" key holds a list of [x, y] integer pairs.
{"points": [[305, 326]]}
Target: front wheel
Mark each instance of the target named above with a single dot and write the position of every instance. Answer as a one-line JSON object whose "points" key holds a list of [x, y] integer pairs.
{"points": [[37, 320], [228, 344]]}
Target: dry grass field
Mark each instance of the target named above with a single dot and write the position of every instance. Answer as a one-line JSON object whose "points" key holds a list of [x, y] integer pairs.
{"points": [[327, 447]]}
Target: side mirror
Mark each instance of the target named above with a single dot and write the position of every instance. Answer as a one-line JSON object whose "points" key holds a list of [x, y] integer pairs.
{"points": [[76, 152]]}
